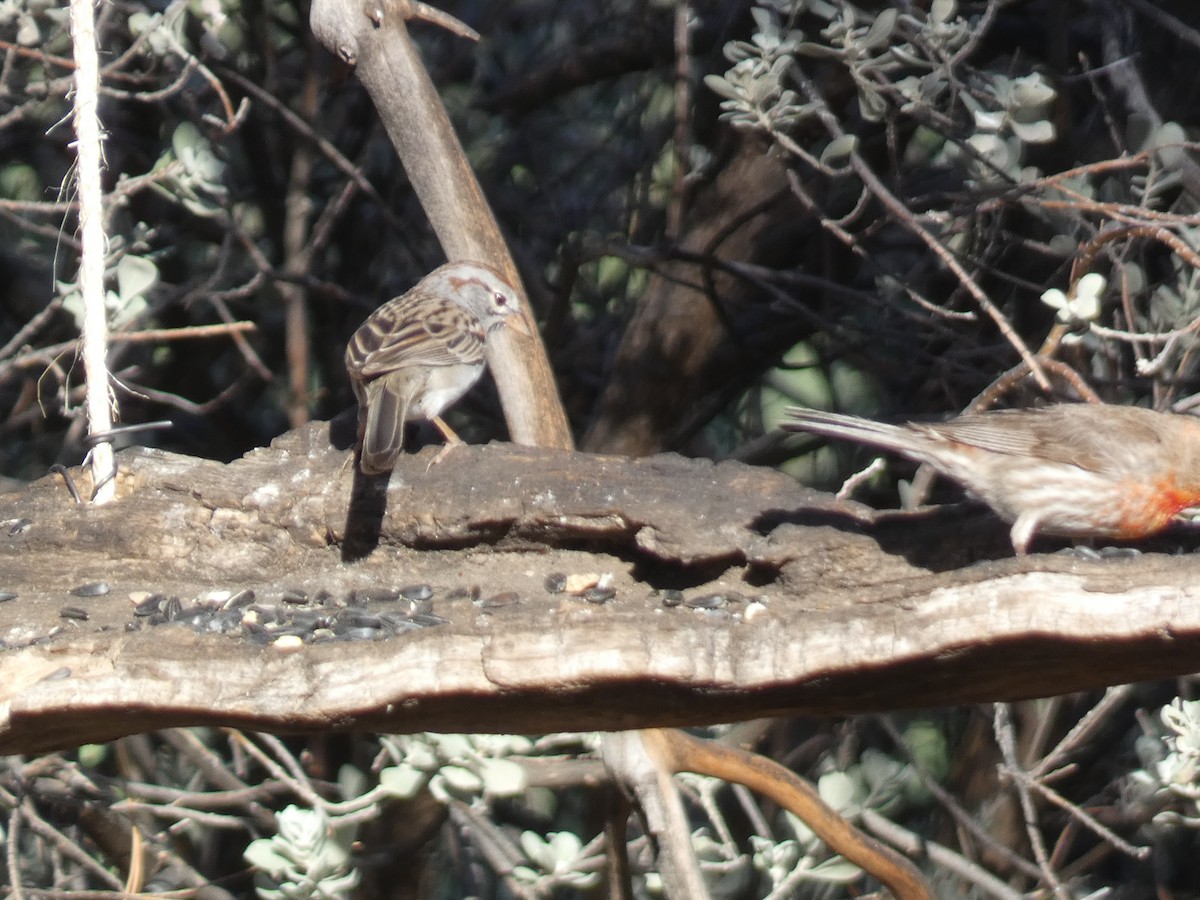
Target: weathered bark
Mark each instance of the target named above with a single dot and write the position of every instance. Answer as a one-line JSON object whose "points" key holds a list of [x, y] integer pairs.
{"points": [[828, 607]]}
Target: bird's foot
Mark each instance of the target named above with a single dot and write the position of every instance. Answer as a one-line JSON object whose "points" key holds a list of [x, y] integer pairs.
{"points": [[452, 441]]}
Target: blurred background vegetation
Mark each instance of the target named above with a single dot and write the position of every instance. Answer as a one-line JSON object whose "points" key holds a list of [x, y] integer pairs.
{"points": [[719, 209]]}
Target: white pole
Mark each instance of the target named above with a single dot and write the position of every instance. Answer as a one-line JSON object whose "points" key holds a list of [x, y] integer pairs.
{"points": [[100, 405]]}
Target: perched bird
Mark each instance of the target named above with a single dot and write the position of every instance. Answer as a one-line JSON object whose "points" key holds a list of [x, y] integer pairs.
{"points": [[1072, 470], [420, 352]]}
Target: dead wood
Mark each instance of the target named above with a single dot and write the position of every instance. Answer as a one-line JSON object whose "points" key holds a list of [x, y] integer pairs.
{"points": [[819, 606]]}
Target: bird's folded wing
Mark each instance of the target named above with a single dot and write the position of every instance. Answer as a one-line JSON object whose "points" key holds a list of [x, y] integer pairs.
{"points": [[1059, 438], [448, 336]]}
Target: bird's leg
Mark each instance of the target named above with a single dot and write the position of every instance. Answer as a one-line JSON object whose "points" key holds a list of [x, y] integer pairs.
{"points": [[452, 441], [1023, 531], [361, 430]]}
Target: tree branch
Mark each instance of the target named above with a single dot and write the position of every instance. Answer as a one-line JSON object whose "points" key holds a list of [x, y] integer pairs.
{"points": [[790, 601]]}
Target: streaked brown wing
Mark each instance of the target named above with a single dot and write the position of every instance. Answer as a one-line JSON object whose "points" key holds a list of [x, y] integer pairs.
{"points": [[422, 331]]}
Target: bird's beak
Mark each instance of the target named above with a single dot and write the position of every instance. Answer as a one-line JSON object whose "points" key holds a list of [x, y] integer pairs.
{"points": [[518, 324]]}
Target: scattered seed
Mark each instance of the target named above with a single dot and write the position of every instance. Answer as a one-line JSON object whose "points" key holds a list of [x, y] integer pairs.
{"points": [[706, 601], [416, 592], [73, 612], [288, 642], [5, 596], [240, 600], [505, 598], [293, 595], [672, 597], [755, 609], [284, 628], [577, 584], [265, 614], [373, 595], [397, 623], [307, 620], [471, 593], [225, 621], [428, 620], [18, 526], [149, 606], [195, 617], [172, 609], [91, 589], [420, 607], [555, 583], [1120, 552], [598, 594], [355, 618], [362, 634]]}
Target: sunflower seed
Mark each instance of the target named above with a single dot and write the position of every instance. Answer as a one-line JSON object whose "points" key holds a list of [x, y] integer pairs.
{"points": [[91, 589]]}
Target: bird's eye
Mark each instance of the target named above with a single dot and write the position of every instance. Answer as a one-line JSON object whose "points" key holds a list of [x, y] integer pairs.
{"points": [[500, 299]]}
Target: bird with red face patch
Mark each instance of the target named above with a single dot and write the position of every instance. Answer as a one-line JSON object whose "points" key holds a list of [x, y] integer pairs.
{"points": [[1071, 470]]}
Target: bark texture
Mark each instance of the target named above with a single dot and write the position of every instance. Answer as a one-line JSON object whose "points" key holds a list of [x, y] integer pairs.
{"points": [[790, 601]]}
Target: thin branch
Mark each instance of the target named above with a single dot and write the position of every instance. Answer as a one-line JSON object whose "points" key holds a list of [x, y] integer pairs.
{"points": [[30, 328], [185, 333], [884, 828], [906, 218], [680, 752], [961, 817], [330, 152], [1083, 730], [1173, 25], [1002, 725]]}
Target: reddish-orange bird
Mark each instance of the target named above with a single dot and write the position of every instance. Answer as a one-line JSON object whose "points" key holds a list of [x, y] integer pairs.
{"points": [[1072, 470]]}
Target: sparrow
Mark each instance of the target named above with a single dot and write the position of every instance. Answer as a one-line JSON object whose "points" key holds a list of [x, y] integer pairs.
{"points": [[420, 352]]}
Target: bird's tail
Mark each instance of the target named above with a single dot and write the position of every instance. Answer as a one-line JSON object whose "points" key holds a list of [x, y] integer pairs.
{"points": [[897, 438], [383, 432]]}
